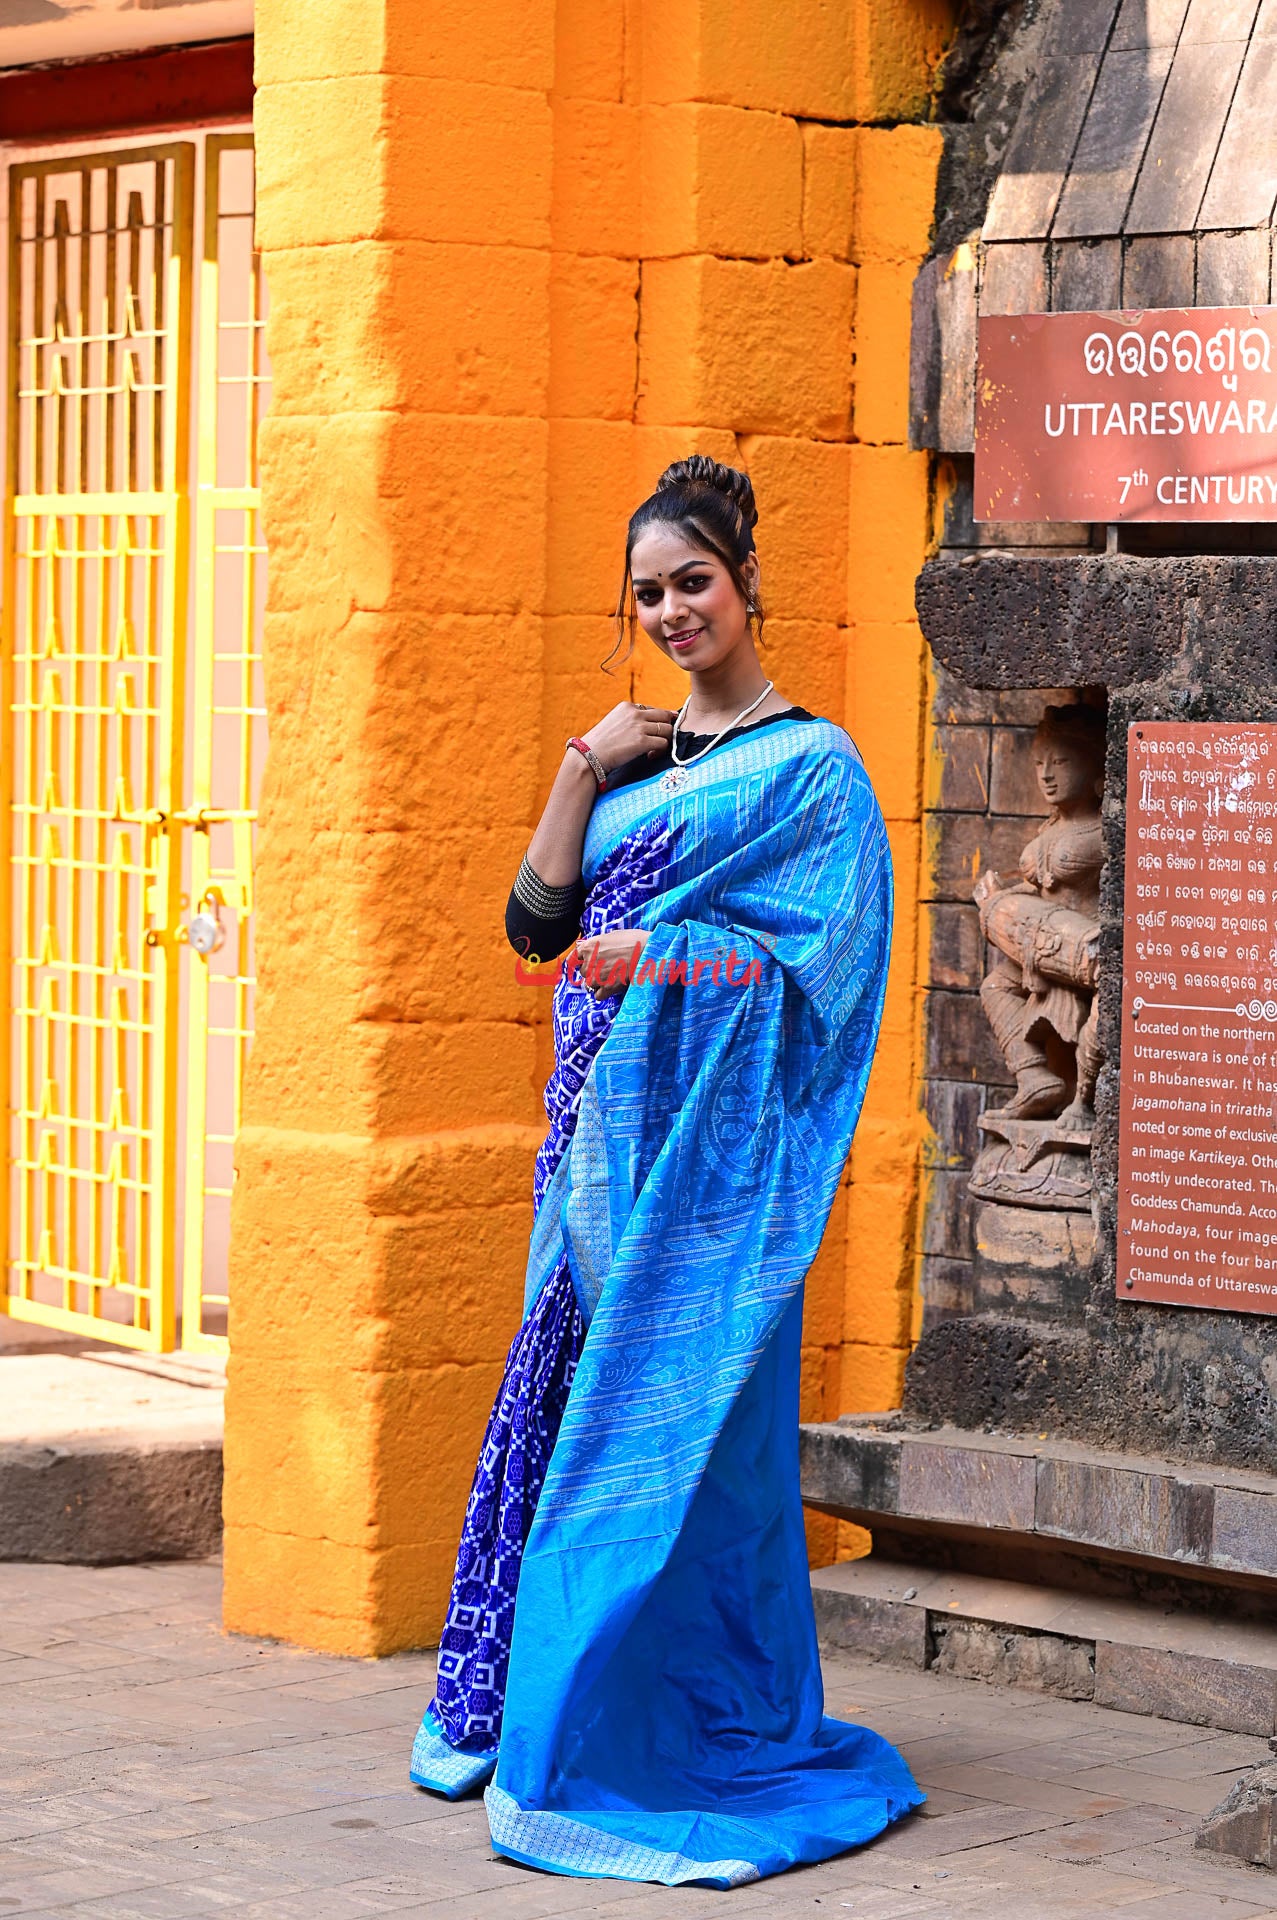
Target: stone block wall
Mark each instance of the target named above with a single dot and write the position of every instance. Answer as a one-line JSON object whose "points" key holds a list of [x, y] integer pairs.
{"points": [[519, 258]]}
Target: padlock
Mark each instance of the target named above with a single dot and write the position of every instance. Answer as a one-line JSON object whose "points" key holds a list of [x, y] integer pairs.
{"points": [[205, 932]]}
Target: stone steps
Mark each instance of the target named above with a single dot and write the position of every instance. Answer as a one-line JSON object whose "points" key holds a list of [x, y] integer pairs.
{"points": [[1215, 1524], [110, 1457], [1198, 1669]]}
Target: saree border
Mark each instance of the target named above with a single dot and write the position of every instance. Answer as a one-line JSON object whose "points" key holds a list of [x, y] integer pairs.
{"points": [[560, 1844], [440, 1768]]}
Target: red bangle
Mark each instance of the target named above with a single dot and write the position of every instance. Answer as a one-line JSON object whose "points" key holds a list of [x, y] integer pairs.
{"points": [[595, 764]]}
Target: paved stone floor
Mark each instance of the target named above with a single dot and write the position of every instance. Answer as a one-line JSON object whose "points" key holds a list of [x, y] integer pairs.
{"points": [[152, 1768]]}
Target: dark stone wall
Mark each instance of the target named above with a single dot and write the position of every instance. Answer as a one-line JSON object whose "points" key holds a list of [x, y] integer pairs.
{"points": [[983, 806], [1192, 637]]}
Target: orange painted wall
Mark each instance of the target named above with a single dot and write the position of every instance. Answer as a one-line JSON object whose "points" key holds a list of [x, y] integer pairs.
{"points": [[519, 257]]}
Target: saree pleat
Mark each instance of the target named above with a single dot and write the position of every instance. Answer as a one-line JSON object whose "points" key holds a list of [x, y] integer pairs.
{"points": [[663, 1709]]}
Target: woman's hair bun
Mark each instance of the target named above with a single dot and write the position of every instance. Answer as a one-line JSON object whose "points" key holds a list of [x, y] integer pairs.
{"points": [[699, 471]]}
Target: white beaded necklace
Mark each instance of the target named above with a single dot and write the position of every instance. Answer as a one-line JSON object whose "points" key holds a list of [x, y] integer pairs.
{"points": [[677, 776]]}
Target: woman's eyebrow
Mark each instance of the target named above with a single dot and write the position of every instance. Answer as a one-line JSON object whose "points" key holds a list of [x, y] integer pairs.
{"points": [[682, 567]]}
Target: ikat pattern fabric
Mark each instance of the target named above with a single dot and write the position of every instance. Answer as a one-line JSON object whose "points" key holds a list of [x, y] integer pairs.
{"points": [[474, 1649], [464, 1719]]}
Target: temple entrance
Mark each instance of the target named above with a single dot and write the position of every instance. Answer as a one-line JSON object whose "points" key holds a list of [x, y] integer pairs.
{"points": [[133, 729]]}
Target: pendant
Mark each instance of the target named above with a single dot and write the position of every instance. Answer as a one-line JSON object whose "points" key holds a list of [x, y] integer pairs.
{"points": [[674, 778]]}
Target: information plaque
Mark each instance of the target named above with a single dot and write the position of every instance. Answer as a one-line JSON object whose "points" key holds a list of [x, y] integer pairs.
{"points": [[1197, 1181]]}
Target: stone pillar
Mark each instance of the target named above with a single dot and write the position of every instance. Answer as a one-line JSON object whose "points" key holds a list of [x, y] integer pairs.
{"points": [[382, 1203], [887, 681], [519, 259]]}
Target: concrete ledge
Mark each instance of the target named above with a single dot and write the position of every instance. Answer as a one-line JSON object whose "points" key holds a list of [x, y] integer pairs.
{"points": [[1203, 1671], [872, 1467], [106, 1459]]}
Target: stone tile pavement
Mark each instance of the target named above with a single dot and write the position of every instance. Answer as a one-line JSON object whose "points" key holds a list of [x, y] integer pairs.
{"points": [[152, 1768]]}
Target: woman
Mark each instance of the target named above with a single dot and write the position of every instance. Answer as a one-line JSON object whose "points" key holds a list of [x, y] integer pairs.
{"points": [[652, 1709]]}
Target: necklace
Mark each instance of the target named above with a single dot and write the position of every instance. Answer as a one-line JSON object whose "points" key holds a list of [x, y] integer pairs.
{"points": [[678, 776]]}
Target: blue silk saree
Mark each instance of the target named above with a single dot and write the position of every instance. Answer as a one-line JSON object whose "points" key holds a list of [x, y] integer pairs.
{"points": [[652, 1709]]}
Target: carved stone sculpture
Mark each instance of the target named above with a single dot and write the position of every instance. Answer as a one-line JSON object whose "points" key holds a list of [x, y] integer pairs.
{"points": [[1040, 995]]}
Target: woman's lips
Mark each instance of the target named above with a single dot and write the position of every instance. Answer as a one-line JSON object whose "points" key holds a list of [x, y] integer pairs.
{"points": [[684, 639]]}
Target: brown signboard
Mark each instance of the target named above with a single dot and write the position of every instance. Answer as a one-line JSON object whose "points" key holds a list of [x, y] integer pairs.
{"points": [[1164, 415], [1197, 1174]]}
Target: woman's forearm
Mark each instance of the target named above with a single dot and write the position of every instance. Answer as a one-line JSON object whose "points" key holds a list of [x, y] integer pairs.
{"points": [[554, 853]]}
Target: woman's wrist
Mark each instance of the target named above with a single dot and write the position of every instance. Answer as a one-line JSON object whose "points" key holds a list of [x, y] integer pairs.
{"points": [[575, 768], [579, 748]]}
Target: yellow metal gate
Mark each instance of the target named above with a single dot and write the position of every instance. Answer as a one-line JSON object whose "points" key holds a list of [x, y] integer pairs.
{"points": [[133, 730]]}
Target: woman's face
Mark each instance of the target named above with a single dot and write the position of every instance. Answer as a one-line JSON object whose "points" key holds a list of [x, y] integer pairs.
{"points": [[687, 601]]}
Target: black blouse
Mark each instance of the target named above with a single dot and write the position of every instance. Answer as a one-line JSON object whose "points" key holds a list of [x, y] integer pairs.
{"points": [[545, 920]]}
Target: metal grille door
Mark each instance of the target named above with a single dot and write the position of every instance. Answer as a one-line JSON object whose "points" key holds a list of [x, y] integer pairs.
{"points": [[227, 717], [115, 607]]}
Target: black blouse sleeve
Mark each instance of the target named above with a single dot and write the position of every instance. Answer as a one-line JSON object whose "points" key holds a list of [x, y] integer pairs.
{"points": [[540, 920]]}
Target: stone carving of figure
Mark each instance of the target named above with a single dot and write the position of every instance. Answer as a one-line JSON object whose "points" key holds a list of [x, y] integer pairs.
{"points": [[1044, 921]]}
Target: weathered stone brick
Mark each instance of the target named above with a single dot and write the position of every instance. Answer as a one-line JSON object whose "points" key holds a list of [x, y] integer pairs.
{"points": [[962, 846], [830, 161], [952, 1108], [895, 192], [882, 341], [1187, 1687], [946, 1289], [960, 1042], [1245, 1530], [1134, 1510], [1033, 1263], [760, 346], [596, 176], [1244, 1825], [861, 1623], [957, 948], [1014, 785], [593, 354], [948, 1217], [845, 1468], [870, 1377], [966, 1484], [803, 485], [720, 180], [888, 532], [958, 770], [589, 48]]}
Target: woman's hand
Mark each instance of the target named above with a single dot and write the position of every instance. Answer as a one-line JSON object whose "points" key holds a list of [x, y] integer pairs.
{"points": [[606, 962], [629, 730]]}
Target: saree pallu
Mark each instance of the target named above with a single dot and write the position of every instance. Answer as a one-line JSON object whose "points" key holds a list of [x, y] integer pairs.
{"points": [[652, 1709]]}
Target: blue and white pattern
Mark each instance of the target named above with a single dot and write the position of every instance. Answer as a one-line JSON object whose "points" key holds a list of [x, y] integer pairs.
{"points": [[456, 1744], [581, 1848], [441, 1767], [663, 1714], [474, 1649], [630, 875]]}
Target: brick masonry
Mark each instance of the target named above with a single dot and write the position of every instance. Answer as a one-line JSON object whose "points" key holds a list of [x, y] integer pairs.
{"points": [[983, 804]]}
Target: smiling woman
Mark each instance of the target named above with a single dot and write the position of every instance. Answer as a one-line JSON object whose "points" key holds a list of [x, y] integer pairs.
{"points": [[651, 1708]]}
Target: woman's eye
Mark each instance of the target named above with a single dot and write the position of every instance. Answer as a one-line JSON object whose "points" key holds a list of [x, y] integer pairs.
{"points": [[648, 597], [696, 583]]}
